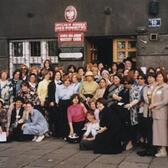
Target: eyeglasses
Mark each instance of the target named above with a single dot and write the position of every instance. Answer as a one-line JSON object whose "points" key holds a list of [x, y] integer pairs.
{"points": [[126, 83], [141, 78]]}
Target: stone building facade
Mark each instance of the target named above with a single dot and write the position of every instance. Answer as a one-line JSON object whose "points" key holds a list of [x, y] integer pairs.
{"points": [[115, 29]]}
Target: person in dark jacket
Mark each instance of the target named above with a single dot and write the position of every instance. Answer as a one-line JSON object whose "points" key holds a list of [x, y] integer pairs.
{"points": [[16, 113], [51, 104], [108, 139]]}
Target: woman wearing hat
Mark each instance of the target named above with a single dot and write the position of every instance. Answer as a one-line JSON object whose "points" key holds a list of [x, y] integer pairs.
{"points": [[88, 87], [106, 76], [3, 117]]}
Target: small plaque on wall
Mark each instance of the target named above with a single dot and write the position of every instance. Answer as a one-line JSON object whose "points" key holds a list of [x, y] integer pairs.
{"points": [[154, 22]]}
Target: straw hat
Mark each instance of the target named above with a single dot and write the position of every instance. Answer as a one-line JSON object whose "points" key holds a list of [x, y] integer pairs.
{"points": [[89, 73]]}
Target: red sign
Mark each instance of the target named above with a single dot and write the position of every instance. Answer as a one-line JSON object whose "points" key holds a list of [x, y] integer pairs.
{"points": [[70, 14], [74, 26], [70, 37]]}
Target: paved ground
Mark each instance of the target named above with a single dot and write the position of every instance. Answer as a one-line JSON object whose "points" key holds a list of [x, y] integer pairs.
{"points": [[55, 153]]}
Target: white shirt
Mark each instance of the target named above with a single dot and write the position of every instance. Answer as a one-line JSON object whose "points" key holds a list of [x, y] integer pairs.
{"points": [[63, 92], [92, 129]]}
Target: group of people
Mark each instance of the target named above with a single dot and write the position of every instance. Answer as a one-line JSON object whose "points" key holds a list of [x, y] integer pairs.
{"points": [[104, 109]]}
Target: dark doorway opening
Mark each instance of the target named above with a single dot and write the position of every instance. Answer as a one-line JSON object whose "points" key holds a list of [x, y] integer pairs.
{"points": [[102, 49]]}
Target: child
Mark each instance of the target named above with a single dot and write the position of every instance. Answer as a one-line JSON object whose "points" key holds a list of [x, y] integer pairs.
{"points": [[91, 131], [94, 109]]}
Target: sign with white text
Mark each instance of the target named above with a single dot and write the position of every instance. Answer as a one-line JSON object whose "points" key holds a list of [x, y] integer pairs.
{"points": [[72, 27], [70, 37], [154, 22]]}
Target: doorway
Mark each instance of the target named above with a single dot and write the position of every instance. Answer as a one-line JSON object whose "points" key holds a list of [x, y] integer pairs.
{"points": [[100, 50]]}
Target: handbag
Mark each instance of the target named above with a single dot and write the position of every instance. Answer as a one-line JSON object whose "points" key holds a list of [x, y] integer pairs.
{"points": [[3, 137]]}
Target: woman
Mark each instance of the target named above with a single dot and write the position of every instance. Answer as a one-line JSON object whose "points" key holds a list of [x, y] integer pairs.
{"points": [[122, 99], [6, 89], [16, 82], [159, 107], [51, 103], [114, 68], [63, 95], [42, 89], [113, 90], [100, 67], [133, 107], [34, 123], [3, 117], [136, 74], [81, 73], [71, 68], [33, 82], [47, 65], [108, 141], [76, 81], [95, 73], [76, 116], [24, 72], [105, 74], [88, 88], [100, 91], [28, 95], [147, 120]]}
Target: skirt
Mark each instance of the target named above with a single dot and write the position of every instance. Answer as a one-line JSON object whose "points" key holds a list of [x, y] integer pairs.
{"points": [[160, 132]]}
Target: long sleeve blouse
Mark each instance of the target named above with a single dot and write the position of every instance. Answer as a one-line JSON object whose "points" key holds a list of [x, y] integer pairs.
{"points": [[76, 113]]}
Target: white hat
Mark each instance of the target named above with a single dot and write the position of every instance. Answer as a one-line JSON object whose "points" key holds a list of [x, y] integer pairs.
{"points": [[105, 72]]}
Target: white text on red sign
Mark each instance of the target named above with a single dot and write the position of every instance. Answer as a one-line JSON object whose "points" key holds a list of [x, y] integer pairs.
{"points": [[74, 26], [70, 37]]}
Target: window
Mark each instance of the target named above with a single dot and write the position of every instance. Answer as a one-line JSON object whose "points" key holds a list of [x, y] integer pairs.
{"points": [[52, 48], [123, 48], [35, 48], [32, 52], [18, 49]]}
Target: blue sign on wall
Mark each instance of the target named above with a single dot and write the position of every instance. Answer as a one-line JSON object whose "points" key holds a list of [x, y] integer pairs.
{"points": [[154, 22]]}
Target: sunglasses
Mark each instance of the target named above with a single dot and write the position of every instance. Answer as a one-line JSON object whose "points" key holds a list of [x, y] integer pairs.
{"points": [[141, 78]]}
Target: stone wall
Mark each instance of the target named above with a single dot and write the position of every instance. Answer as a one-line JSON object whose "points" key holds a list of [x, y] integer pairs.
{"points": [[152, 52]]}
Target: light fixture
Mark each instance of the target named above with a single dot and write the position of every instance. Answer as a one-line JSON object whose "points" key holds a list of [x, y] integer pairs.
{"points": [[143, 41]]}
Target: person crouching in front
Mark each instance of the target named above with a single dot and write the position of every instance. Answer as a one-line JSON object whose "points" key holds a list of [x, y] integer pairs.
{"points": [[34, 123]]}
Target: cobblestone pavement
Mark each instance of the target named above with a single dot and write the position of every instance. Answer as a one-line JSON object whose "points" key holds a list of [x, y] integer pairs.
{"points": [[55, 153]]}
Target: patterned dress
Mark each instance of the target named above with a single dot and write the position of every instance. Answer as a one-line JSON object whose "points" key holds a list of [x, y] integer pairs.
{"points": [[6, 92], [134, 95], [3, 119], [30, 97], [110, 90]]}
